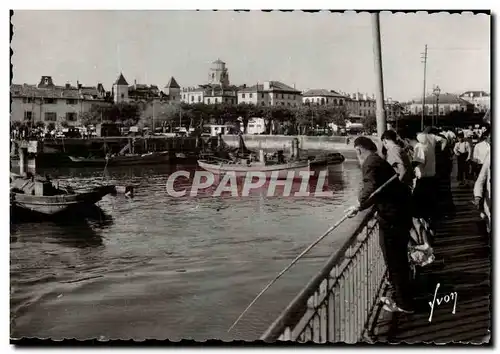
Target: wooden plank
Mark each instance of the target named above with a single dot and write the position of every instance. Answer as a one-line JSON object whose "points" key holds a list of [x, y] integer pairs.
{"points": [[466, 269]]}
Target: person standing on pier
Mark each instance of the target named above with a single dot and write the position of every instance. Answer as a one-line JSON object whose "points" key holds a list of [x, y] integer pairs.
{"points": [[397, 157], [480, 152], [463, 152], [425, 189], [394, 215]]}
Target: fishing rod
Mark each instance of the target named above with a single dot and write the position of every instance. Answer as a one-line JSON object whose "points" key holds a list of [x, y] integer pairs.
{"points": [[307, 250]]}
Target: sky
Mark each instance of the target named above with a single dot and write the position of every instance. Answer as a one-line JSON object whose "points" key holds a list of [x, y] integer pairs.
{"points": [[311, 50]]}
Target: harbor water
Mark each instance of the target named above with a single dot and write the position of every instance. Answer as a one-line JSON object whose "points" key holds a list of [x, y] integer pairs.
{"points": [[161, 267]]}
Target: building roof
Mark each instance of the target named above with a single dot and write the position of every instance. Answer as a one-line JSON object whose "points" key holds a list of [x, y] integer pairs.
{"points": [[87, 93], [321, 93], [121, 80], [218, 61], [216, 88], [474, 94], [444, 98], [172, 83], [46, 82], [274, 86], [361, 97], [141, 91]]}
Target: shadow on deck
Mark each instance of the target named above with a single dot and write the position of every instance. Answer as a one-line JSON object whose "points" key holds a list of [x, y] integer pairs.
{"points": [[463, 265]]}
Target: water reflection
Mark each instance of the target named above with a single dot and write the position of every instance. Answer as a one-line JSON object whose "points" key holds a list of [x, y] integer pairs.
{"points": [[164, 267], [73, 230]]}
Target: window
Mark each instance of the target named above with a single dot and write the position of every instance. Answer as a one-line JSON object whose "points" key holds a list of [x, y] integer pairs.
{"points": [[282, 103], [50, 100], [27, 100], [71, 116], [70, 101], [322, 101], [242, 95], [192, 98], [250, 95], [307, 100], [262, 95], [263, 103], [208, 100], [341, 102], [122, 96], [184, 96], [232, 101], [216, 100], [199, 98], [50, 116], [28, 115]]}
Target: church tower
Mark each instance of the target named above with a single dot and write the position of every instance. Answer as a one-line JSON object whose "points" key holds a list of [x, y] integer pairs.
{"points": [[218, 74], [120, 90]]}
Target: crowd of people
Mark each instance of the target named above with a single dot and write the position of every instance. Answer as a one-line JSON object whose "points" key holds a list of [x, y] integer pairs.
{"points": [[409, 207]]}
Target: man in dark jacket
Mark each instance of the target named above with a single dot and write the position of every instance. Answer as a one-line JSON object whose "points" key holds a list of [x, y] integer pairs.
{"points": [[394, 215]]}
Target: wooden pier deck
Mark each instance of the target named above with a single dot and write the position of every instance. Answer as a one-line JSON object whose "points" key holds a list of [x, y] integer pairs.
{"points": [[463, 265]]}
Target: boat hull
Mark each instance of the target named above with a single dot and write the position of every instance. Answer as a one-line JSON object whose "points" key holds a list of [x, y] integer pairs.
{"points": [[278, 171], [122, 160], [55, 205], [330, 159]]}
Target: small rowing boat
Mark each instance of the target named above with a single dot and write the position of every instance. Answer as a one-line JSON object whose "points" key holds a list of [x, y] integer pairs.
{"points": [[40, 196]]}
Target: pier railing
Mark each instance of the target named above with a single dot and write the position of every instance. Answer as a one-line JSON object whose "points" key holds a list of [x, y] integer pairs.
{"points": [[335, 306]]}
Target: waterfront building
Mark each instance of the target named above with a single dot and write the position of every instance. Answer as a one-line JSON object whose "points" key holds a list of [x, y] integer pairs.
{"points": [[393, 110], [150, 99], [480, 100], [360, 104], [323, 97], [172, 92], [447, 103], [210, 94], [120, 90], [218, 89], [49, 103], [218, 74], [270, 93]]}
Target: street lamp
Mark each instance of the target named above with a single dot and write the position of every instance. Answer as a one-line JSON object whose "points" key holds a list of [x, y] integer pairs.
{"points": [[436, 93]]}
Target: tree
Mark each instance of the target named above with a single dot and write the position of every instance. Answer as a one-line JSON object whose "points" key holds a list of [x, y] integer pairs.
{"points": [[123, 113], [302, 119], [40, 124]]}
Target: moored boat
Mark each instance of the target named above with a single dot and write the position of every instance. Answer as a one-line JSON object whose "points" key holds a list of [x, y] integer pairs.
{"points": [[120, 160], [334, 158], [243, 167], [40, 196]]}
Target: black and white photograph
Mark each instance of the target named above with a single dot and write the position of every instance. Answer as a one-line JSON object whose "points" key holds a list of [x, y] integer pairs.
{"points": [[247, 175]]}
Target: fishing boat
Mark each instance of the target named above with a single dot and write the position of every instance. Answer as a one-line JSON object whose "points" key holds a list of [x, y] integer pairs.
{"points": [[242, 167], [42, 197], [120, 160]]}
